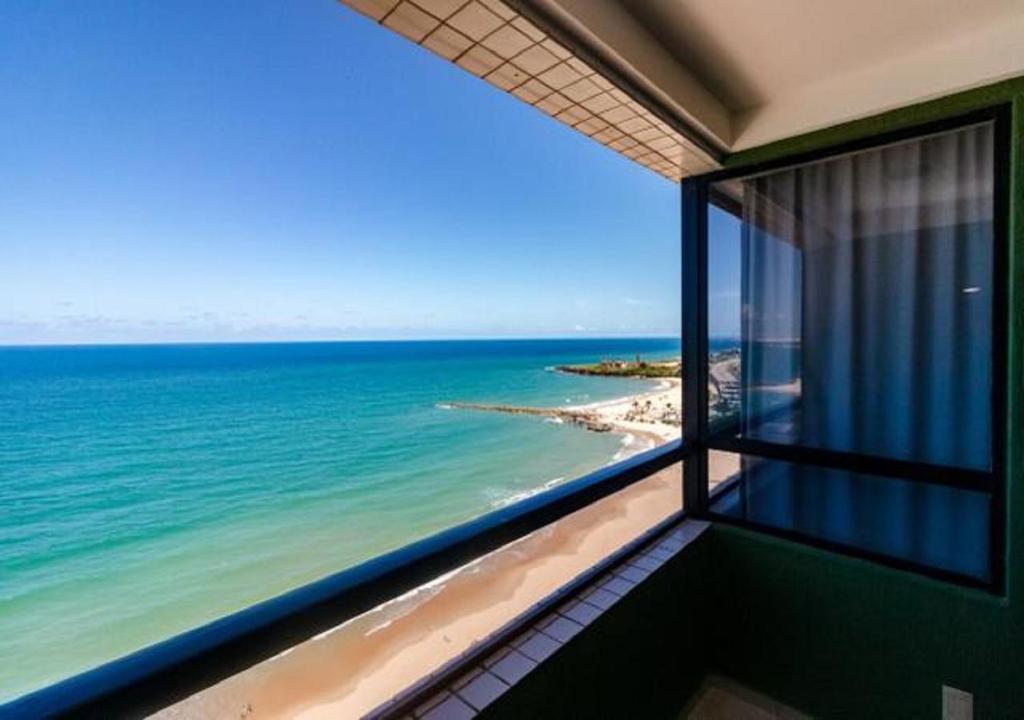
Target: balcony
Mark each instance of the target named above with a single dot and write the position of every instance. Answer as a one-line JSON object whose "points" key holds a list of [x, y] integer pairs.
{"points": [[833, 534]]}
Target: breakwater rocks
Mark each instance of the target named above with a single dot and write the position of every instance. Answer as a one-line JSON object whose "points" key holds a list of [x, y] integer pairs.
{"points": [[584, 418]]}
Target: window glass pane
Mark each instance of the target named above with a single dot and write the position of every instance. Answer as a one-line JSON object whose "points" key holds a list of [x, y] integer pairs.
{"points": [[724, 369], [934, 525], [866, 300]]}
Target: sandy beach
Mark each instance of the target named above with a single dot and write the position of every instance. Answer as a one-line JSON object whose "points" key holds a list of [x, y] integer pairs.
{"points": [[351, 669], [654, 416], [354, 667]]}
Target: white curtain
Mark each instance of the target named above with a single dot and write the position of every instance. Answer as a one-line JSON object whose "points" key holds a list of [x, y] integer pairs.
{"points": [[867, 301]]}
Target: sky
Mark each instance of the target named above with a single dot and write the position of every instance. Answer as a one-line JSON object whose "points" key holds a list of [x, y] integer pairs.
{"points": [[248, 170]]}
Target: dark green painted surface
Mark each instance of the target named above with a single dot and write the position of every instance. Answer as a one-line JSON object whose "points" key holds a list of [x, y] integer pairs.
{"points": [[838, 637], [630, 663], [830, 635]]}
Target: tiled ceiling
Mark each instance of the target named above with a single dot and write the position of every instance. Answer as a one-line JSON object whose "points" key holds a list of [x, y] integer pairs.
{"points": [[492, 41]]}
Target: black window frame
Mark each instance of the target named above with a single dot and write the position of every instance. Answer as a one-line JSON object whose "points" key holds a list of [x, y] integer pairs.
{"points": [[697, 194]]}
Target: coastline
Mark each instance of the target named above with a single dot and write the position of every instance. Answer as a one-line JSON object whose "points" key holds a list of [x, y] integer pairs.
{"points": [[654, 415], [643, 413], [352, 668], [392, 646]]}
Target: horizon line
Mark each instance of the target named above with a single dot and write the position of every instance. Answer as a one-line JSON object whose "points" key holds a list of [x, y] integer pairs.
{"points": [[471, 338]]}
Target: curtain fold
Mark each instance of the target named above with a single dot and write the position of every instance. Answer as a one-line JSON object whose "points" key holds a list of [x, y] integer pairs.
{"points": [[867, 301]]}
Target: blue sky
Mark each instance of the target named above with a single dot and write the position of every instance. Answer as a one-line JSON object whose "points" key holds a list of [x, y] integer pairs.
{"points": [[266, 170]]}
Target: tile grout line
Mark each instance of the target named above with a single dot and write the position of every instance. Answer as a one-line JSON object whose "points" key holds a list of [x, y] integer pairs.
{"points": [[653, 143], [513, 647]]}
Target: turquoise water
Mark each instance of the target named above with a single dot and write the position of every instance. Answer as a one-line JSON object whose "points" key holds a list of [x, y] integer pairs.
{"points": [[148, 489]]}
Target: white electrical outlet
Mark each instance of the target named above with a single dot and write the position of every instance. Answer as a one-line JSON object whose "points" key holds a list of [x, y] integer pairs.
{"points": [[957, 704]]}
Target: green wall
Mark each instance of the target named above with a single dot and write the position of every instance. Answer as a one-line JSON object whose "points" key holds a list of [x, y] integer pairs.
{"points": [[641, 659], [828, 634], [839, 637]]}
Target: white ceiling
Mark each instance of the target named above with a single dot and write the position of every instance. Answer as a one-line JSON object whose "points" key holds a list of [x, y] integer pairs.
{"points": [[751, 71], [751, 51]]}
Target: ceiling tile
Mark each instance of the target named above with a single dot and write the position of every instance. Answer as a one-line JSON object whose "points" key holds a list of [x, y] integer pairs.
{"points": [[529, 29], [617, 114], [491, 40], [581, 90], [441, 9], [376, 9], [507, 76], [507, 42], [599, 103], [479, 60], [559, 76], [410, 21], [447, 43], [532, 90], [662, 143], [633, 124], [500, 9], [592, 125], [475, 20], [554, 103], [573, 114], [647, 134], [535, 60], [608, 136], [581, 67], [556, 49]]}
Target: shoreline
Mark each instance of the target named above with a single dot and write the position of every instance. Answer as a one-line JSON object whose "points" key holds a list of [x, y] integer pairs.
{"points": [[654, 413], [638, 435], [354, 667], [395, 644], [643, 413]]}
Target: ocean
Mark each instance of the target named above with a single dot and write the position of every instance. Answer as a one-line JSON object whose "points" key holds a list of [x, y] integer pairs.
{"points": [[149, 489]]}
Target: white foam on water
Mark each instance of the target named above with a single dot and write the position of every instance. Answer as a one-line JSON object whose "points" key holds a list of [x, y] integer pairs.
{"points": [[627, 442], [431, 588], [513, 499], [427, 589], [632, 445]]}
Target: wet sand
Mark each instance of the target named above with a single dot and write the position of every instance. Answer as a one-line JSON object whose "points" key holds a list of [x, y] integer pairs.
{"points": [[351, 669]]}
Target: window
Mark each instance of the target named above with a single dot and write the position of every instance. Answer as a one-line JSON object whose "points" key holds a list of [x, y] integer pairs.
{"points": [[300, 326], [854, 346]]}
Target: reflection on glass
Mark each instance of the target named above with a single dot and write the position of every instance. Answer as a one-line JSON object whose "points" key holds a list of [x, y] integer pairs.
{"points": [[724, 376], [865, 301], [723, 470], [933, 525]]}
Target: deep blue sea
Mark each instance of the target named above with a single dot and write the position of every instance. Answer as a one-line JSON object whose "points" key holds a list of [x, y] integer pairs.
{"points": [[149, 489]]}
